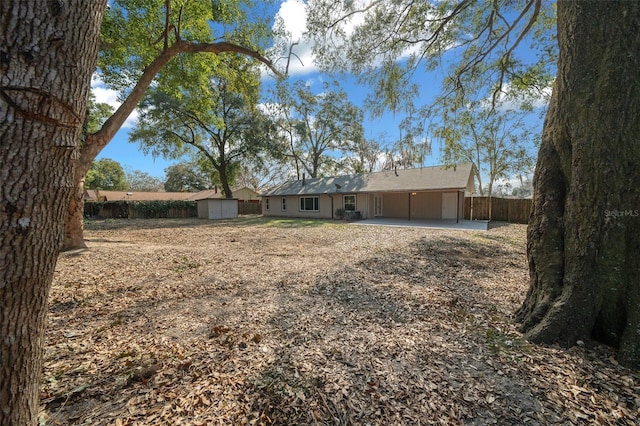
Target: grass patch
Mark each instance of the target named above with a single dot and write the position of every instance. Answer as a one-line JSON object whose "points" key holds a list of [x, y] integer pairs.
{"points": [[297, 223]]}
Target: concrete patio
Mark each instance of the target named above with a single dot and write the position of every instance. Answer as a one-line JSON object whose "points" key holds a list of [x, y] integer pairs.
{"points": [[468, 225]]}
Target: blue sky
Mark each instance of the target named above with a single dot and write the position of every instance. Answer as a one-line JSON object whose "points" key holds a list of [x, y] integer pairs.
{"points": [[383, 129]]}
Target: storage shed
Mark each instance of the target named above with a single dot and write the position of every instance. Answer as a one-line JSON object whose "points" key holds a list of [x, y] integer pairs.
{"points": [[217, 208]]}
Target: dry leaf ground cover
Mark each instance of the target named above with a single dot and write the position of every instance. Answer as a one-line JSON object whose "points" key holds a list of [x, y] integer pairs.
{"points": [[258, 321]]}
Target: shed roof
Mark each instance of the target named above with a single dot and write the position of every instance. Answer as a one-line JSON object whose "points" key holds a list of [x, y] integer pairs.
{"points": [[457, 177]]}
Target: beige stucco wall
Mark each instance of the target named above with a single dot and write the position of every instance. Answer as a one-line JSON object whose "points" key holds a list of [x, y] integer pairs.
{"points": [[245, 194], [293, 207], [426, 205], [423, 205], [395, 205]]}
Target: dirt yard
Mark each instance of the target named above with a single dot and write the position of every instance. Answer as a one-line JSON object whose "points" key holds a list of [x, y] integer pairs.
{"points": [[256, 321]]}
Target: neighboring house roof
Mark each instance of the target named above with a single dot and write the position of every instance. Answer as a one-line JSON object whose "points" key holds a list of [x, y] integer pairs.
{"points": [[99, 195], [214, 194], [458, 177]]}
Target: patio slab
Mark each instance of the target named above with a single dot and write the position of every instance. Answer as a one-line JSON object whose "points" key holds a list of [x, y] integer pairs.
{"points": [[469, 225]]}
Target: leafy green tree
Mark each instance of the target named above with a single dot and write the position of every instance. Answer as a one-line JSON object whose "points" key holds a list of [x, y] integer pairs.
{"points": [[186, 177], [261, 172], [364, 157], [97, 114], [584, 232], [219, 123], [494, 140], [107, 174], [154, 41], [315, 127], [143, 181]]}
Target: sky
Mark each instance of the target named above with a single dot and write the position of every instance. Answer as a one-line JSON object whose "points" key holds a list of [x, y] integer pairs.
{"points": [[384, 129]]}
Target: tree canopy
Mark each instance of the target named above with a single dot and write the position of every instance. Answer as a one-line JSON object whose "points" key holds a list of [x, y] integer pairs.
{"points": [[219, 123], [186, 177], [143, 181], [145, 42], [385, 43], [314, 128], [107, 174]]}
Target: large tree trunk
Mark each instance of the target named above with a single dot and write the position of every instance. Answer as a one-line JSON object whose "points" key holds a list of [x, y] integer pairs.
{"points": [[95, 142], [47, 57], [584, 232], [74, 219]]}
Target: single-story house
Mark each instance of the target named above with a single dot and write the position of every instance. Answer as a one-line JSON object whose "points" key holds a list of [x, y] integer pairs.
{"points": [[435, 192]]}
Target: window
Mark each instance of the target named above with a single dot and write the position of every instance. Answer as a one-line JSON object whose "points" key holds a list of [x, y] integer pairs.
{"points": [[309, 204], [266, 204], [284, 204], [349, 203]]}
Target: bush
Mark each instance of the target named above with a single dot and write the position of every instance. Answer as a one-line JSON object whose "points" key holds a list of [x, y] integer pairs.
{"points": [[140, 209]]}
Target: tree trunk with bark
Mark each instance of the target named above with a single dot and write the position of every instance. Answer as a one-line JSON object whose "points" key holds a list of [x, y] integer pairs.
{"points": [[584, 232], [47, 57], [95, 142]]}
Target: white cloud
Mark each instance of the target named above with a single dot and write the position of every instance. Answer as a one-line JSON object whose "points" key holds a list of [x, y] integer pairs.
{"points": [[105, 95], [293, 16]]}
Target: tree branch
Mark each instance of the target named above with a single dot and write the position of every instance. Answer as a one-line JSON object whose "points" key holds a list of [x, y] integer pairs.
{"points": [[98, 140]]}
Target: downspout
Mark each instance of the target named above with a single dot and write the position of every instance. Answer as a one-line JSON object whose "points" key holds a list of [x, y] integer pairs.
{"points": [[409, 205], [331, 196], [458, 207]]}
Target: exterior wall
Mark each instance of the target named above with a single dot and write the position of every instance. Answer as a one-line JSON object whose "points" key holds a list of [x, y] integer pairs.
{"points": [[203, 209], [293, 207], [396, 205], [424, 205], [245, 194], [362, 205]]}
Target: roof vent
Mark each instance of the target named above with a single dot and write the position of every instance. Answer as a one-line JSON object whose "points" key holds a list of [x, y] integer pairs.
{"points": [[303, 178]]}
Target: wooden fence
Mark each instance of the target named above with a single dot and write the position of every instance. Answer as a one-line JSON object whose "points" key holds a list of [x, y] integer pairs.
{"points": [[249, 208], [126, 209], [514, 210]]}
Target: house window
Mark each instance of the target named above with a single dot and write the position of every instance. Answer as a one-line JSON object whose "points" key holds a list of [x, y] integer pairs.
{"points": [[349, 203], [309, 204], [266, 204], [284, 204]]}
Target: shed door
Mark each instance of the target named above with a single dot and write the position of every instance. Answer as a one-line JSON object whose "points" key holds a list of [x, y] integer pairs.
{"points": [[449, 205]]}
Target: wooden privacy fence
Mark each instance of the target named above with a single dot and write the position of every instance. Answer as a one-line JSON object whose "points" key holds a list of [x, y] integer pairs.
{"points": [[249, 208], [514, 210], [127, 209]]}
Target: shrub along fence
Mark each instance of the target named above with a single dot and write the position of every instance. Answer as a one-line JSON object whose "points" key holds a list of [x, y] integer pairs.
{"points": [[127, 209], [514, 210], [140, 209]]}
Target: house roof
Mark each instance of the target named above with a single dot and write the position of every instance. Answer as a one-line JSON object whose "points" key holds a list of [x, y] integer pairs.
{"points": [[209, 194], [95, 195], [457, 177]]}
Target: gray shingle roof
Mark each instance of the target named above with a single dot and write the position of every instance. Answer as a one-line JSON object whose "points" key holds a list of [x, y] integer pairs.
{"points": [[420, 179]]}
